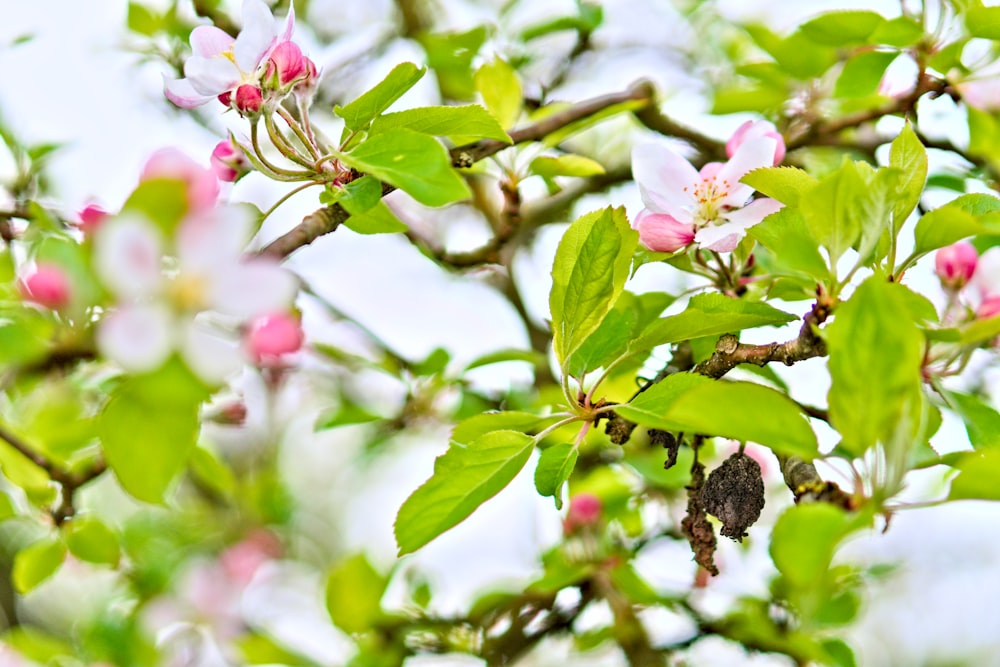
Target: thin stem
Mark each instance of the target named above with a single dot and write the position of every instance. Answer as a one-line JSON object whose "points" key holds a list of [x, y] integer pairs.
{"points": [[541, 435], [254, 139], [297, 129], [285, 198], [284, 146]]}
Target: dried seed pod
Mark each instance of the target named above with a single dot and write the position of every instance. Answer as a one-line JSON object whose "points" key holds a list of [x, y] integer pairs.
{"points": [[668, 442], [734, 492]]}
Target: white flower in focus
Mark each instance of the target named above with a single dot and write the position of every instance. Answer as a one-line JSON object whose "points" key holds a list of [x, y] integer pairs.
{"points": [[191, 299], [712, 203]]}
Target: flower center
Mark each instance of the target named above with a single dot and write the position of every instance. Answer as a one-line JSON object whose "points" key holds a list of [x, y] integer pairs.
{"points": [[188, 293], [708, 195]]}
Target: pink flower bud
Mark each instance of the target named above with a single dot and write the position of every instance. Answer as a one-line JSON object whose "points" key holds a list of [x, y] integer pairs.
{"points": [[584, 512], [660, 232], [229, 162], [307, 86], [287, 64], [249, 99], [272, 336], [753, 129], [956, 264], [170, 163], [48, 286], [226, 98], [990, 307], [242, 560], [91, 218]]}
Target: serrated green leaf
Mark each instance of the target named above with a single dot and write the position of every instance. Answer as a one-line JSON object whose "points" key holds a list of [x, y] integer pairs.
{"points": [[876, 352], [795, 251], [149, 427], [907, 154], [500, 88], [942, 227], [609, 341], [588, 274], [982, 421], [786, 184], [555, 465], [863, 73], [362, 198], [90, 540], [464, 478], [479, 425], [363, 110], [901, 32], [839, 28], [983, 22], [977, 477], [829, 210], [413, 162], [565, 165], [36, 563], [710, 315], [461, 124], [354, 591]]}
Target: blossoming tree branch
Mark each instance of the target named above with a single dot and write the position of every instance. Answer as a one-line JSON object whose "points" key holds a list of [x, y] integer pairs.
{"points": [[652, 416]]}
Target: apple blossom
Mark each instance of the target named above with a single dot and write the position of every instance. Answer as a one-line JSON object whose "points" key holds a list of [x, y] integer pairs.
{"points": [[272, 336], [757, 128], [661, 233], [188, 295], [90, 217], [47, 285], [170, 163], [711, 202], [229, 162], [956, 264], [220, 64]]}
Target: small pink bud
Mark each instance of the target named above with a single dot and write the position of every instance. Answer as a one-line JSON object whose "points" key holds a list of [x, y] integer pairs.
{"points": [[226, 98], [249, 99], [231, 414], [170, 163], [91, 218], [287, 63], [990, 307], [584, 512], [229, 162], [48, 286], [272, 336], [660, 232], [753, 129], [955, 264]]}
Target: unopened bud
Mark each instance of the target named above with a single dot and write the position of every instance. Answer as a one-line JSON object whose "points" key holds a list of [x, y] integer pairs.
{"points": [[753, 129], [956, 264], [584, 512], [249, 99], [48, 286], [286, 65], [229, 162], [271, 337], [90, 218]]}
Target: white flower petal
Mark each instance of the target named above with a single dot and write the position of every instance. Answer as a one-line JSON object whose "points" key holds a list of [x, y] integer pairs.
{"points": [[752, 154], [256, 37], [208, 41], [139, 338], [987, 275], [128, 255], [662, 176], [211, 76], [208, 353], [725, 237], [252, 288], [183, 94], [216, 237]]}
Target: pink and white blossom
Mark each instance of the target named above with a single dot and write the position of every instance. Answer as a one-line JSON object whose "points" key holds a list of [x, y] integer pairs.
{"points": [[189, 294], [47, 285], [220, 64], [711, 202], [757, 128], [229, 162], [171, 163], [272, 336]]}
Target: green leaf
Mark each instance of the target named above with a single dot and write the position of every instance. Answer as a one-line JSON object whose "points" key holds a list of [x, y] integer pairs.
{"points": [[794, 250], [876, 352], [983, 22], [509, 354], [555, 465], [608, 342], [362, 198], [36, 563], [162, 201], [710, 315], [830, 210], [479, 425], [450, 55], [8, 509], [413, 162], [982, 421], [726, 409], [363, 110], [786, 184], [977, 477], [968, 215], [354, 591], [500, 88], [464, 478], [464, 124], [565, 165], [863, 73], [797, 55], [141, 20], [90, 540], [901, 32], [149, 427], [804, 540], [839, 28], [589, 272], [907, 154]]}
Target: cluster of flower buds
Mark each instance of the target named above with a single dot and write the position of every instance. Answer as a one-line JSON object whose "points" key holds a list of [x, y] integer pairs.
{"points": [[959, 267]]}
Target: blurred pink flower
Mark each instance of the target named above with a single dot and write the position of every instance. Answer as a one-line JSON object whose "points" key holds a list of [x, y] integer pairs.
{"points": [[584, 512], [272, 336], [47, 285], [171, 163], [229, 162], [757, 128], [712, 202], [90, 217]]}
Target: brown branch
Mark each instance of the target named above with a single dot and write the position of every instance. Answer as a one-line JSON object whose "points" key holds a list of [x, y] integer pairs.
{"points": [[654, 119]]}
